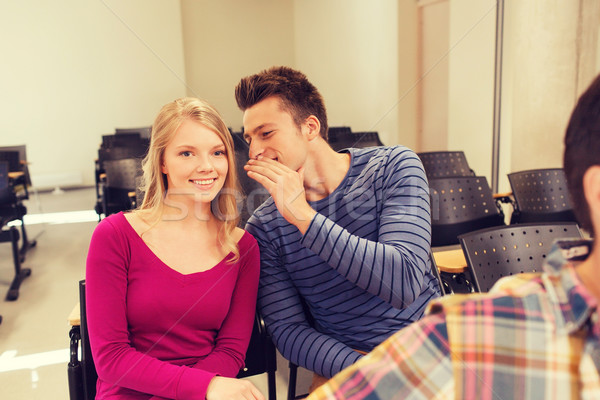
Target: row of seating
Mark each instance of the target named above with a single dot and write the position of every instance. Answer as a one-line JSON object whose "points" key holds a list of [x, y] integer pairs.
{"points": [[118, 170], [462, 203], [14, 190]]}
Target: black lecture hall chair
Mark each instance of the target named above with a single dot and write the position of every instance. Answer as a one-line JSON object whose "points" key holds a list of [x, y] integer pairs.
{"points": [[254, 194], [540, 195], [493, 253], [115, 147], [11, 209], [143, 131], [82, 376], [342, 138], [444, 286], [444, 164], [460, 205], [118, 187], [16, 157]]}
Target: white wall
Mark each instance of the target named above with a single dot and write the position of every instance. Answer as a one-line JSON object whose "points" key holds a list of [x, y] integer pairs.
{"points": [[72, 71], [434, 55], [228, 39], [349, 49]]}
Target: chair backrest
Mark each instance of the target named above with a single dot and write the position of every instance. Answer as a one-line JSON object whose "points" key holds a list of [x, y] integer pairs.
{"points": [[497, 252], [4, 186], [254, 194], [343, 138], [13, 160], [443, 164], [436, 272], [261, 356], [143, 131], [22, 150], [460, 205], [122, 173], [7, 194], [541, 195], [90, 376]]}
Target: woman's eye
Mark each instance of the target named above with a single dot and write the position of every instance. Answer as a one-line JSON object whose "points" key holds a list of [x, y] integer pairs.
{"points": [[220, 153], [185, 153]]}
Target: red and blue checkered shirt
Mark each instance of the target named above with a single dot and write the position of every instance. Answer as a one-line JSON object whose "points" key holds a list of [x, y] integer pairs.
{"points": [[533, 336]]}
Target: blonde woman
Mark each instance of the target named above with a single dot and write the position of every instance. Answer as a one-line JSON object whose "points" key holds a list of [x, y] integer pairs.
{"points": [[171, 287]]}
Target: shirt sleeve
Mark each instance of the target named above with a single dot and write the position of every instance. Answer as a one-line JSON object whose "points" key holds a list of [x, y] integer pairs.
{"points": [[284, 315], [117, 362], [413, 363], [393, 266], [227, 357]]}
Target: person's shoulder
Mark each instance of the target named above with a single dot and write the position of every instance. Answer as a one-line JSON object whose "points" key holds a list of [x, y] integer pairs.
{"points": [[244, 239], [111, 223], [508, 293], [265, 215], [386, 155]]}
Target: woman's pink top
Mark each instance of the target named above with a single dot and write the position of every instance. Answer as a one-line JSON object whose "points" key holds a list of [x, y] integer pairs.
{"points": [[155, 331]]}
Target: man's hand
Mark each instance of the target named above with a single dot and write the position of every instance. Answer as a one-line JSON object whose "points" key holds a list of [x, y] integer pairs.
{"points": [[287, 189]]}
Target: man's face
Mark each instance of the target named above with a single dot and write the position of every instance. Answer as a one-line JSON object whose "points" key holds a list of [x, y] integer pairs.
{"points": [[271, 133]]}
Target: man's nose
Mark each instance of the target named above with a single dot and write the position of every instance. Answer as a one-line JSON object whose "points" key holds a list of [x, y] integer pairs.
{"points": [[255, 149]]}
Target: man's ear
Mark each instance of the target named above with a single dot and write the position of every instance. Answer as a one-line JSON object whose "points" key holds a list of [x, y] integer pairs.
{"points": [[312, 127], [591, 189]]}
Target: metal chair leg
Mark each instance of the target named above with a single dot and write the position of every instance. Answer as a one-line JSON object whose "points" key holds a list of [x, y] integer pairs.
{"points": [[20, 273]]}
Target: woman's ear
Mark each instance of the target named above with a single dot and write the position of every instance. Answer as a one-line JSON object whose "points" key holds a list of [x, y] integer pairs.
{"points": [[163, 169]]}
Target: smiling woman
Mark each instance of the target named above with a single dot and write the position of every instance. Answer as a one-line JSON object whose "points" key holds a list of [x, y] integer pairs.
{"points": [[180, 255]]}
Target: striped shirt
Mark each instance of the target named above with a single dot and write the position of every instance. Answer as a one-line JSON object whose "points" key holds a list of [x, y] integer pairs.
{"points": [[361, 268], [533, 336]]}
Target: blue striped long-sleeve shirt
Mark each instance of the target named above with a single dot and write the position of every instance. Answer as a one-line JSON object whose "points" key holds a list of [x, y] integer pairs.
{"points": [[362, 267]]}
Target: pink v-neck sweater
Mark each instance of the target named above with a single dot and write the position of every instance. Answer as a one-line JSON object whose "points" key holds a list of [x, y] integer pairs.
{"points": [[155, 331]]}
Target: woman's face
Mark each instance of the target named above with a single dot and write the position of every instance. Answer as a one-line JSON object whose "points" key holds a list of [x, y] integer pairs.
{"points": [[195, 162]]}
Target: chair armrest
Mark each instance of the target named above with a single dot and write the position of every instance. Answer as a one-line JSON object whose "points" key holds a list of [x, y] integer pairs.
{"points": [[451, 261], [74, 316]]}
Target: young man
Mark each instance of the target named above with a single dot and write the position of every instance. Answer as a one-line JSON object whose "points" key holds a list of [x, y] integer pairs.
{"points": [[534, 337], [344, 238]]}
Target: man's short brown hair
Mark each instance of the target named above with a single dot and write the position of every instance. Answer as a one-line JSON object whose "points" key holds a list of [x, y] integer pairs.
{"points": [[582, 150], [298, 96]]}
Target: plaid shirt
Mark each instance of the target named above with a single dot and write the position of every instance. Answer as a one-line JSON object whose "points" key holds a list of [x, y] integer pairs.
{"points": [[534, 336]]}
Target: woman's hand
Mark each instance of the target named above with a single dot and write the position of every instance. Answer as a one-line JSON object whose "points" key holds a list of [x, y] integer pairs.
{"points": [[221, 388]]}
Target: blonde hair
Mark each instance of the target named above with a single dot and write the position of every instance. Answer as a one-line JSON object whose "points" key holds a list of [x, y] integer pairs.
{"points": [[155, 185]]}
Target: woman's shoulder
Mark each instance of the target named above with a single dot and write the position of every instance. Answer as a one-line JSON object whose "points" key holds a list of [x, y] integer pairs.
{"points": [[111, 223], [244, 239]]}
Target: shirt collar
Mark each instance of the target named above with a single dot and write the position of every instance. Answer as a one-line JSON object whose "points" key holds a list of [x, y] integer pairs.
{"points": [[573, 303]]}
